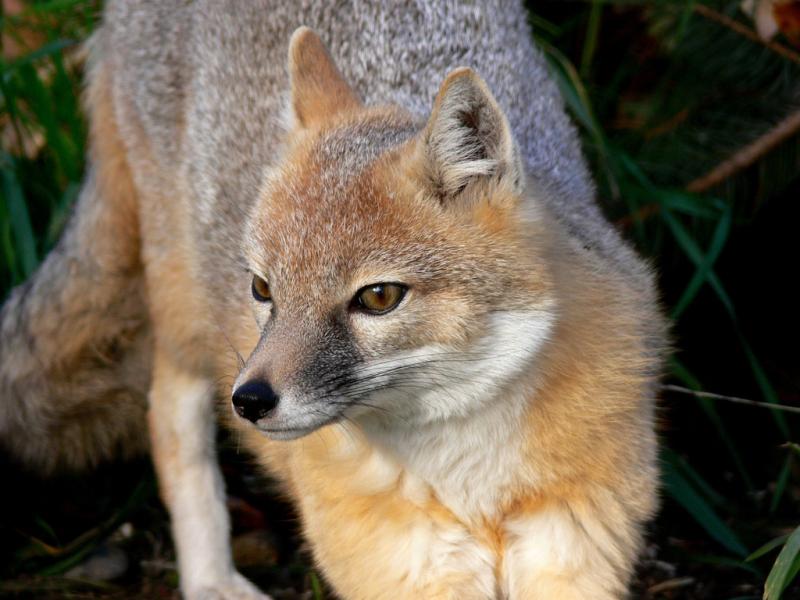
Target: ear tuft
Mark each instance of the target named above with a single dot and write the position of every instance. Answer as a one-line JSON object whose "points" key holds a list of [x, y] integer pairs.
{"points": [[318, 90], [467, 136]]}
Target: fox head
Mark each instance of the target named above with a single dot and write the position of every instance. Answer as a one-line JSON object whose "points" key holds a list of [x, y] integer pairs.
{"points": [[399, 268]]}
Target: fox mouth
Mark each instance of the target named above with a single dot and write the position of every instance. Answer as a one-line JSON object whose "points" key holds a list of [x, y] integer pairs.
{"points": [[294, 432]]}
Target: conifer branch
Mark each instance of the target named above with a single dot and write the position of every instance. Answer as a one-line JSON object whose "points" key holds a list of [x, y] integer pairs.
{"points": [[748, 155], [741, 159], [726, 21]]}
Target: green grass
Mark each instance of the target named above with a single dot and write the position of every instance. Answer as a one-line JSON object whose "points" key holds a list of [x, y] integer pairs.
{"points": [[44, 131], [662, 94]]}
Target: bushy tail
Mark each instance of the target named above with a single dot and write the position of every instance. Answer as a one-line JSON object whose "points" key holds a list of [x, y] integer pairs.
{"points": [[74, 339]]}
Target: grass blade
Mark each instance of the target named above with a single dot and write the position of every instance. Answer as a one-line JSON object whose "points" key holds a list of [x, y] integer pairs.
{"points": [[768, 547], [590, 40], [700, 276], [784, 569], [700, 510], [20, 222], [680, 465], [769, 393], [692, 250], [708, 407], [780, 485]]}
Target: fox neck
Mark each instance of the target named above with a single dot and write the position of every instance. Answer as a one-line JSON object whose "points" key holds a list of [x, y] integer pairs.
{"points": [[483, 440], [472, 464], [479, 463]]}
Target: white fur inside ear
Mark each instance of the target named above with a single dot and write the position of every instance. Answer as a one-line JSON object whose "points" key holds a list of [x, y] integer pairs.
{"points": [[469, 136]]}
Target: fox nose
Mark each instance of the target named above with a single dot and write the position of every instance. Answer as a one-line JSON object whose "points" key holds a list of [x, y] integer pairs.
{"points": [[254, 400]]}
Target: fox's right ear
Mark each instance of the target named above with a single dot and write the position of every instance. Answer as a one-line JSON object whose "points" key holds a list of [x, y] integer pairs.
{"points": [[318, 90]]}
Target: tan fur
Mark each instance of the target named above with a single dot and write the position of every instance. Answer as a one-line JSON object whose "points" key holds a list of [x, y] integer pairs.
{"points": [[318, 93], [592, 462], [528, 473]]}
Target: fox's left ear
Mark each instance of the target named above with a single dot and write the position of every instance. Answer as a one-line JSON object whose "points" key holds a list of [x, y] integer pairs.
{"points": [[318, 90], [468, 138]]}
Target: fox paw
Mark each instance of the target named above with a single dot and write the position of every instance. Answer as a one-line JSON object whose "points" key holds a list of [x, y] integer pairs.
{"points": [[234, 587]]}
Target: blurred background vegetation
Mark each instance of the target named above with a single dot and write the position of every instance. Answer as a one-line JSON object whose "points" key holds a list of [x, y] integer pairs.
{"points": [[690, 115]]}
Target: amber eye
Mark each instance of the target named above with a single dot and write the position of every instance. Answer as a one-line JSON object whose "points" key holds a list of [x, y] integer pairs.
{"points": [[260, 289], [380, 298]]}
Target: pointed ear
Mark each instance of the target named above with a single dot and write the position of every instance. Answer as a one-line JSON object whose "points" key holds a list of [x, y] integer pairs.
{"points": [[468, 138], [318, 90]]}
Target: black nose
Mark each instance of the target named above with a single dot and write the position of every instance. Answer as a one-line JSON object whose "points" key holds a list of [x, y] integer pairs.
{"points": [[254, 400]]}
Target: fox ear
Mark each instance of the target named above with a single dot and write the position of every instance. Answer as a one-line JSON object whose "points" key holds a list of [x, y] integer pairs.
{"points": [[318, 90], [467, 137]]}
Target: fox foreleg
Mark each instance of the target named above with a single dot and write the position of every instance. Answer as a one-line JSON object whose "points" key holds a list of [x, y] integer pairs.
{"points": [[571, 554], [182, 428]]}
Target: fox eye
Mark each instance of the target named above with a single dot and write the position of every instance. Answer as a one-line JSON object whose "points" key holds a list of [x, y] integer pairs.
{"points": [[260, 289], [380, 298]]}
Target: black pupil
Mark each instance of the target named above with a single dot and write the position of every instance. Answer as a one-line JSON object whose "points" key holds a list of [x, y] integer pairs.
{"points": [[380, 294]]}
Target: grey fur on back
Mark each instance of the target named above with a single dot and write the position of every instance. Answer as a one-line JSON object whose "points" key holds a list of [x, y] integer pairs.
{"points": [[219, 69]]}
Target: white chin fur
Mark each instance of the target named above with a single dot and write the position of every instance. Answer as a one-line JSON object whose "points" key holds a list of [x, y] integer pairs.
{"points": [[286, 435]]}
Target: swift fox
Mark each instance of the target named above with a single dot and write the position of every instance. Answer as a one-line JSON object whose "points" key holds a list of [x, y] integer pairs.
{"points": [[383, 255]]}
